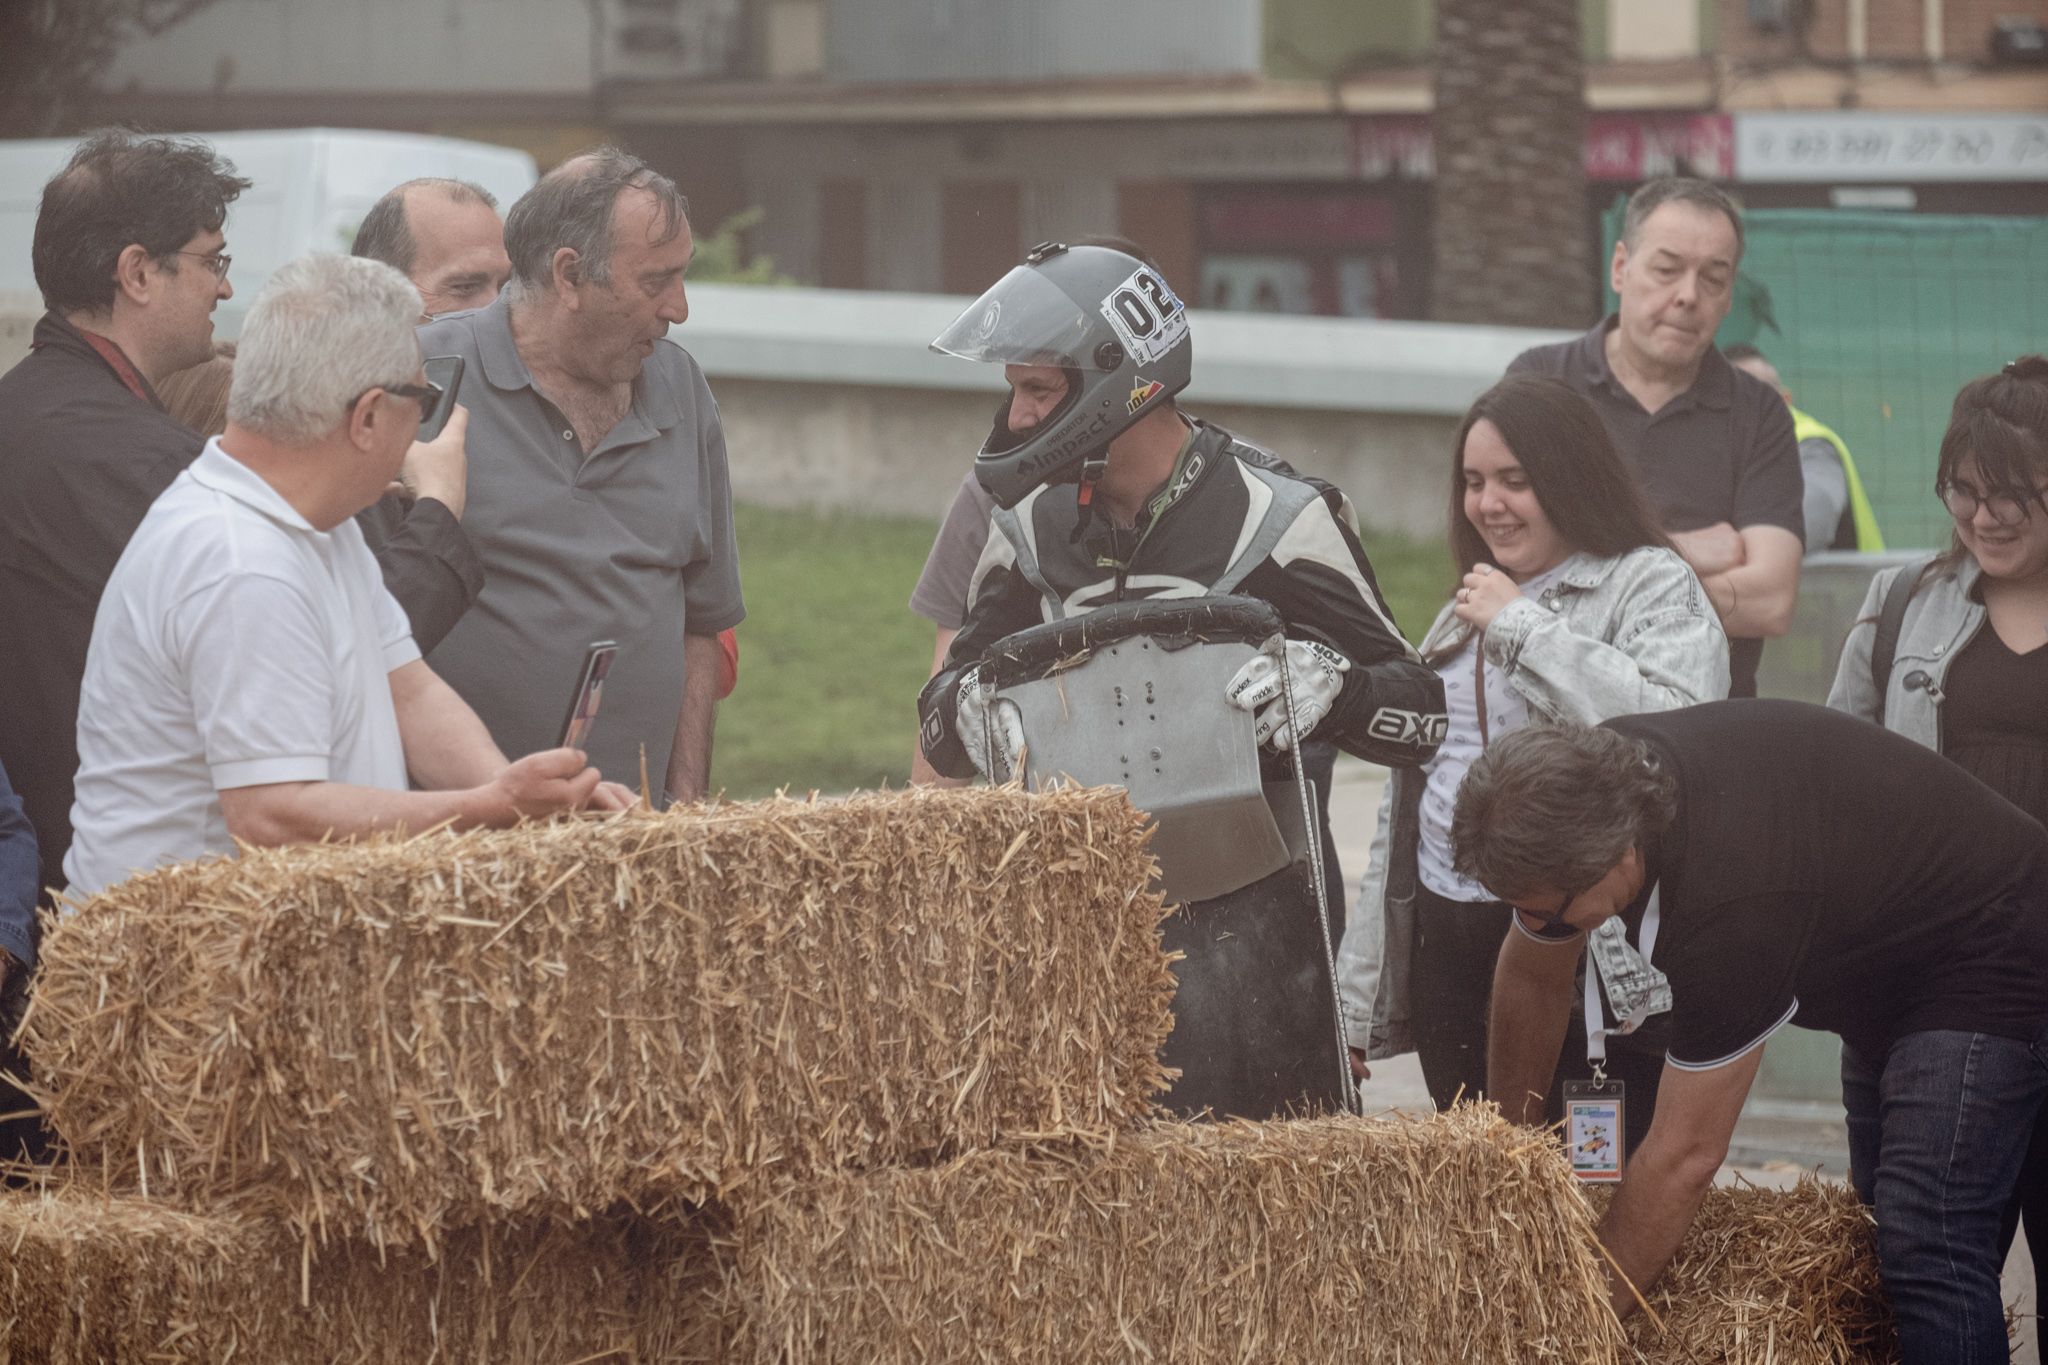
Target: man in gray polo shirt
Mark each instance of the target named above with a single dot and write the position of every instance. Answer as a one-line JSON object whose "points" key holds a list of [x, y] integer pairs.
{"points": [[598, 497], [1713, 446]]}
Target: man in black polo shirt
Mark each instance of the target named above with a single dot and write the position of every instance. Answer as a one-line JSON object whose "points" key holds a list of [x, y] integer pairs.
{"points": [[1775, 861], [1714, 446]]}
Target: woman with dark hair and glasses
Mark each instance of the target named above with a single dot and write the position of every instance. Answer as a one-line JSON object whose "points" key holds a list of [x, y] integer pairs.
{"points": [[1970, 692], [1572, 606]]}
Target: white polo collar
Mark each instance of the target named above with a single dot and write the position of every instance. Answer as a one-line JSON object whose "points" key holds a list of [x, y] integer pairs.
{"points": [[223, 473]]}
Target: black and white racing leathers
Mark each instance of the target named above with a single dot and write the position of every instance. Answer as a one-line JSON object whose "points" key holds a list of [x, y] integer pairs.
{"points": [[1230, 519]]}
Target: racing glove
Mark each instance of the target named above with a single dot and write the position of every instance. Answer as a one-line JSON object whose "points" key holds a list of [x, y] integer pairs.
{"points": [[1313, 672], [991, 729]]}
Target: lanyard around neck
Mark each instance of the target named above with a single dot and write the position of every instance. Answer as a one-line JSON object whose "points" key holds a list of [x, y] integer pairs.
{"points": [[1631, 1007]]}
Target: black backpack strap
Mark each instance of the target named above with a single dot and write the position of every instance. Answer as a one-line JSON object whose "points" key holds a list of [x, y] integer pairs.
{"points": [[1891, 618]]}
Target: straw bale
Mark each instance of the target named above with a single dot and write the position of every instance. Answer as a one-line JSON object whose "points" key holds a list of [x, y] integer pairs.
{"points": [[89, 1279], [1455, 1238], [386, 1039], [1782, 1276]]}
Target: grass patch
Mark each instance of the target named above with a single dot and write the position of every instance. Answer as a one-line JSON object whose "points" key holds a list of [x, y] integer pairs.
{"points": [[831, 658], [1415, 577]]}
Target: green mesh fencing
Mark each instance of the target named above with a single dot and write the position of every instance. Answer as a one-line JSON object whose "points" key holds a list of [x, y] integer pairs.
{"points": [[1876, 319]]}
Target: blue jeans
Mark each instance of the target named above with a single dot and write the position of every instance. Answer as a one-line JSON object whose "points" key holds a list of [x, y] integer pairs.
{"points": [[1938, 1126]]}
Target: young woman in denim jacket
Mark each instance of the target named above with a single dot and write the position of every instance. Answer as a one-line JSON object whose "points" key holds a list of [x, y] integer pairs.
{"points": [[1973, 694], [1573, 606]]}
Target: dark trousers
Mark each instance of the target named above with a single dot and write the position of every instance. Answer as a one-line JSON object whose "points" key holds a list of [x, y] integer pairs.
{"points": [[1456, 946], [1939, 1125], [22, 1135], [2029, 1206]]}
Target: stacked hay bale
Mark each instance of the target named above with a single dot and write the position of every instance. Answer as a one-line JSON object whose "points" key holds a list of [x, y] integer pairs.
{"points": [[87, 1277], [1784, 1276], [1456, 1238], [782, 1082], [386, 1083]]}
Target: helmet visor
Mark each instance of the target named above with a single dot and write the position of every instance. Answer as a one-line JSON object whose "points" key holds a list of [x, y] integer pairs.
{"points": [[1025, 319]]}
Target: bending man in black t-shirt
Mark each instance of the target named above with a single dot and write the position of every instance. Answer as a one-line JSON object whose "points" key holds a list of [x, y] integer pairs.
{"points": [[1773, 861]]}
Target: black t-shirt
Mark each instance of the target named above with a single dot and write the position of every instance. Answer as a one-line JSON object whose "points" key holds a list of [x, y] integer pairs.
{"points": [[1993, 723], [1723, 450], [1823, 865]]}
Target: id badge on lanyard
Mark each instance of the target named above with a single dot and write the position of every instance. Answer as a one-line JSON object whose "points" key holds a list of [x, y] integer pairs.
{"points": [[1593, 1127], [1595, 1110]]}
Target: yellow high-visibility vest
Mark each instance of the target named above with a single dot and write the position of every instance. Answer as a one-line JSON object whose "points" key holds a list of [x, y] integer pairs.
{"points": [[1805, 427]]}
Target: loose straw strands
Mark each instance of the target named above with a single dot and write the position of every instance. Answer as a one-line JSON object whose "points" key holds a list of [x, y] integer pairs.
{"points": [[86, 1279], [388, 1039], [1772, 1277], [1456, 1238]]}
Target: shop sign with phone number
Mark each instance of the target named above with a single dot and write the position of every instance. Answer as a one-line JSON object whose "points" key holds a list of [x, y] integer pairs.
{"points": [[1902, 147]]}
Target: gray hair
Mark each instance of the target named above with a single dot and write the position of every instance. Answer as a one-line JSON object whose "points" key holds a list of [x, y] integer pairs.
{"points": [[1679, 189], [573, 206], [1554, 808], [386, 233], [324, 329]]}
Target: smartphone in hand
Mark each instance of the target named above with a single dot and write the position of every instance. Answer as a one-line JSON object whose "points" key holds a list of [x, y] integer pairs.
{"points": [[583, 703], [444, 372]]}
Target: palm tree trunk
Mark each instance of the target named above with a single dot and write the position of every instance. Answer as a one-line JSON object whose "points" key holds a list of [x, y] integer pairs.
{"points": [[1512, 228]]}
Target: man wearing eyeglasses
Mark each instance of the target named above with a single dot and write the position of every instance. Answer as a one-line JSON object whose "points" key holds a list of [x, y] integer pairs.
{"points": [[250, 678], [1774, 862], [128, 255]]}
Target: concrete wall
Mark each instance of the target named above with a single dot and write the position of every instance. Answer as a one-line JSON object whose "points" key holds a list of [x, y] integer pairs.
{"points": [[831, 398], [903, 452]]}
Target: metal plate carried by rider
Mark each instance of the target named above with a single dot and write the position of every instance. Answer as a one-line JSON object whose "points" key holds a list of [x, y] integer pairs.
{"points": [[1134, 695], [1137, 701]]}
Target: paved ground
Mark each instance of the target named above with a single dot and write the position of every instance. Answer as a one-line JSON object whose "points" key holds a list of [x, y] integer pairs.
{"points": [[1776, 1140]]}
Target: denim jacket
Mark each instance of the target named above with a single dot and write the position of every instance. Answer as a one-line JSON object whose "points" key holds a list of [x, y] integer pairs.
{"points": [[1611, 637], [1943, 617]]}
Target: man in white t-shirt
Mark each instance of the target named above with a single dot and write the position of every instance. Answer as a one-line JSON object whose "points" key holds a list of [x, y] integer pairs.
{"points": [[249, 677]]}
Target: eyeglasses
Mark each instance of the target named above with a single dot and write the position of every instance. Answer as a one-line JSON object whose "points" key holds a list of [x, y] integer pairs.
{"points": [[426, 395], [216, 261], [1548, 919], [1962, 500]]}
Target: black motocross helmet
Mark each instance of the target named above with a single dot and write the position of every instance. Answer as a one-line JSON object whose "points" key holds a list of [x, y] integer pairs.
{"points": [[1109, 321]]}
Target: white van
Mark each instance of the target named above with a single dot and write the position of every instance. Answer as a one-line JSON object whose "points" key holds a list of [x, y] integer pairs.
{"points": [[312, 187]]}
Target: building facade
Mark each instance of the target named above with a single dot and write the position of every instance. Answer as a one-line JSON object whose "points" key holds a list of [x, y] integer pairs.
{"points": [[1274, 154]]}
